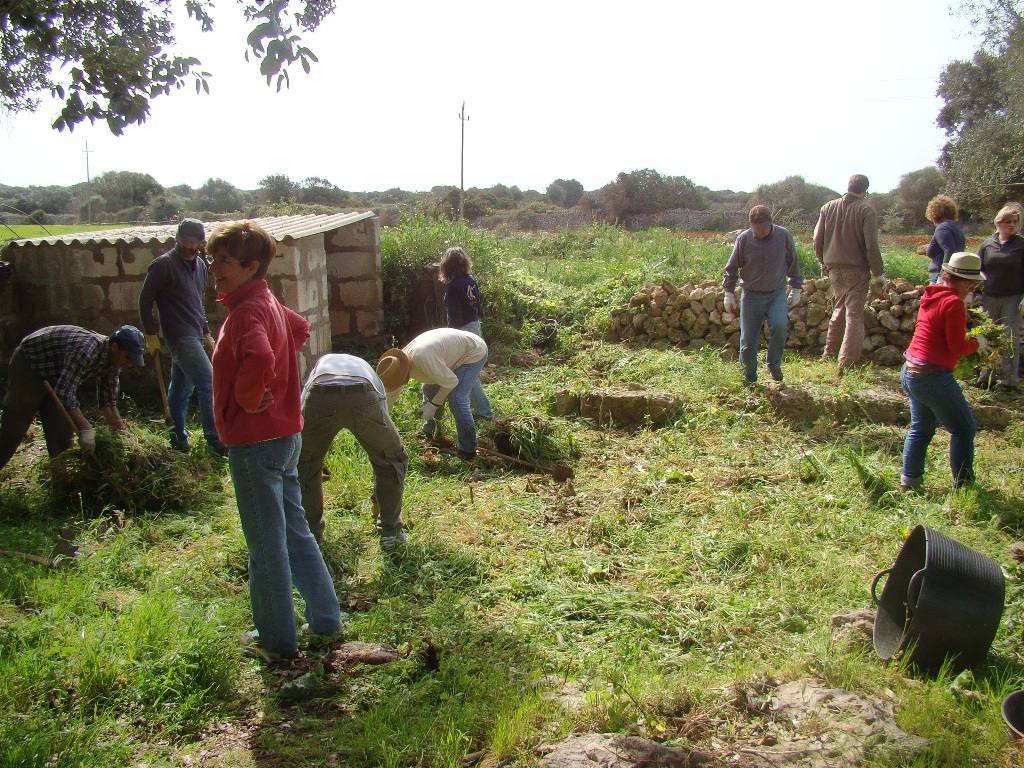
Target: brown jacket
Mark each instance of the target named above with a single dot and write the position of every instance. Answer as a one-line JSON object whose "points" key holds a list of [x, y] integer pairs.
{"points": [[846, 235]]}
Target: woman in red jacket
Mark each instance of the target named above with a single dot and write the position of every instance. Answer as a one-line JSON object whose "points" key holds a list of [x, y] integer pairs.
{"points": [[935, 396], [256, 391]]}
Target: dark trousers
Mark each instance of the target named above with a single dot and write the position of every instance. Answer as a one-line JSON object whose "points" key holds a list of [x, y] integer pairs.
{"points": [[26, 396]]}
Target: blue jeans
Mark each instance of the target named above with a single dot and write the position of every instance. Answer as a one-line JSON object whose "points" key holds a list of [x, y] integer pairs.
{"points": [[458, 401], [755, 308], [191, 371], [937, 399], [282, 551], [478, 401]]}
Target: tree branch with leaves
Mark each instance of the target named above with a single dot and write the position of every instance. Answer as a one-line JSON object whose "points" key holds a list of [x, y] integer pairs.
{"points": [[108, 60]]}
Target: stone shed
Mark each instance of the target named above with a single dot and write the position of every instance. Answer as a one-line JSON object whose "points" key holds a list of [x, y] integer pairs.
{"points": [[327, 269]]}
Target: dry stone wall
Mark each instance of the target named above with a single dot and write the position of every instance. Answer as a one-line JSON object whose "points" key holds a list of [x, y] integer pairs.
{"points": [[694, 315]]}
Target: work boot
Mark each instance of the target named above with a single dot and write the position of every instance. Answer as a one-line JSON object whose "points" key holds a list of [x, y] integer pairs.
{"points": [[776, 372], [390, 543]]}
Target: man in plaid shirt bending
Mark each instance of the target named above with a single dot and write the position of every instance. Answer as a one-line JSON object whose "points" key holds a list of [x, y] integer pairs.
{"points": [[66, 356]]}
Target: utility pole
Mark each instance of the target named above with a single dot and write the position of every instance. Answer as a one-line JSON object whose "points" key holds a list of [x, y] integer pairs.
{"points": [[88, 179], [462, 161]]}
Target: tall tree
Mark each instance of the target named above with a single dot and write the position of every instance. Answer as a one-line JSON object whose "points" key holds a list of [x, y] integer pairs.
{"points": [[218, 196], [564, 192], [793, 201], [983, 116], [126, 189], [916, 189], [106, 60], [317, 191], [277, 188], [647, 191]]}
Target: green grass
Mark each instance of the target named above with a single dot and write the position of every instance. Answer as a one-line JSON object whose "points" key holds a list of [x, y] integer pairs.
{"points": [[677, 563]]}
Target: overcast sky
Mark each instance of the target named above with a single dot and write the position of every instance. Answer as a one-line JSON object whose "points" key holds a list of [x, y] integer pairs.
{"points": [[730, 94]]}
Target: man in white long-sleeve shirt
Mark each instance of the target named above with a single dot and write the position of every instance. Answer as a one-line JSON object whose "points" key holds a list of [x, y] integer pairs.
{"points": [[445, 362]]}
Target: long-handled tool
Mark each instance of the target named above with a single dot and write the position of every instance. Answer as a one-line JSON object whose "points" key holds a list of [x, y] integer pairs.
{"points": [[63, 551], [92, 457], [561, 472], [163, 390]]}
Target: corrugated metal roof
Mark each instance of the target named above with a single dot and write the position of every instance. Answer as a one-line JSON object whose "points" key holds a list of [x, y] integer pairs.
{"points": [[281, 227]]}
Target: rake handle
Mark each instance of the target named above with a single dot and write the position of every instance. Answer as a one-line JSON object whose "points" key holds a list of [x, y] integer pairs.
{"points": [[163, 390]]}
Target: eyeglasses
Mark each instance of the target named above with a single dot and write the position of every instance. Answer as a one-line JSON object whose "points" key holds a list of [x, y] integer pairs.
{"points": [[222, 261]]}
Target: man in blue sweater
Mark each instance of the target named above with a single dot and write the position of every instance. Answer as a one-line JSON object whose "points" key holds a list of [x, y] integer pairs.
{"points": [[763, 258], [176, 281]]}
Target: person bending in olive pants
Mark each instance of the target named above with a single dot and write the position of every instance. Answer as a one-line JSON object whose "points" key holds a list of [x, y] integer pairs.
{"points": [[344, 392]]}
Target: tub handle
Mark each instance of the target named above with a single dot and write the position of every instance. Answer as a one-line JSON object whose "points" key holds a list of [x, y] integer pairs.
{"points": [[878, 576], [914, 589]]}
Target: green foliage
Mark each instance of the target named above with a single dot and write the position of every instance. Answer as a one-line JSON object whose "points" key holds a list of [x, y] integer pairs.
{"points": [[108, 60], [984, 112], [564, 193], [409, 257], [317, 191], [916, 189], [126, 189], [278, 188], [218, 196], [647, 191], [793, 202]]}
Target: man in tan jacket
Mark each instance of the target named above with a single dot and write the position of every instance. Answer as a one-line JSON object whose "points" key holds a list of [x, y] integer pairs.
{"points": [[846, 245]]}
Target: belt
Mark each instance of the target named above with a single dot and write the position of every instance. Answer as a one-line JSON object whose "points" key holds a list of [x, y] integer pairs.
{"points": [[924, 369], [333, 382]]}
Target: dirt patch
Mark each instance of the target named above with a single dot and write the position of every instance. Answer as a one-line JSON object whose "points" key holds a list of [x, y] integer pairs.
{"points": [[800, 723], [879, 404]]}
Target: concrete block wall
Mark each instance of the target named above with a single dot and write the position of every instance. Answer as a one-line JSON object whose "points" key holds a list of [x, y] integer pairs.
{"points": [[356, 291], [332, 279]]}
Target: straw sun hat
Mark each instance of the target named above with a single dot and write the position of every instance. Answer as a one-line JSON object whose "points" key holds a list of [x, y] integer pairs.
{"points": [[965, 265], [393, 369]]}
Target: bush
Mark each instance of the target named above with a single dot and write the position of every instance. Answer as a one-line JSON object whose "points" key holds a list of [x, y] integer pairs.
{"points": [[720, 222]]}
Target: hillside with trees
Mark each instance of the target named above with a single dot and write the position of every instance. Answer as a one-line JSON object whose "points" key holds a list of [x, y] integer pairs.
{"points": [[121, 197]]}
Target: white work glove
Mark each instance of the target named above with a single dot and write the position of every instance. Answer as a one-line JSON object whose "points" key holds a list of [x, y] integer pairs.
{"points": [[208, 342], [794, 297], [880, 284], [427, 411], [87, 441], [152, 343], [983, 346], [730, 302], [824, 270]]}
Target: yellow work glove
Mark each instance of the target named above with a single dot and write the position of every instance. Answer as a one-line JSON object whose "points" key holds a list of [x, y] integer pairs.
{"points": [[208, 342], [152, 343]]}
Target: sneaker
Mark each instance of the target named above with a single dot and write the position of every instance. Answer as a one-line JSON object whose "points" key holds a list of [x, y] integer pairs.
{"points": [[389, 543], [776, 372], [912, 486], [254, 650], [314, 641], [257, 651]]}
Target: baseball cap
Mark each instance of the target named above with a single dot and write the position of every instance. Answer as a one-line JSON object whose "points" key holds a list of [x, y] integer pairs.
{"points": [[130, 339], [192, 230]]}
